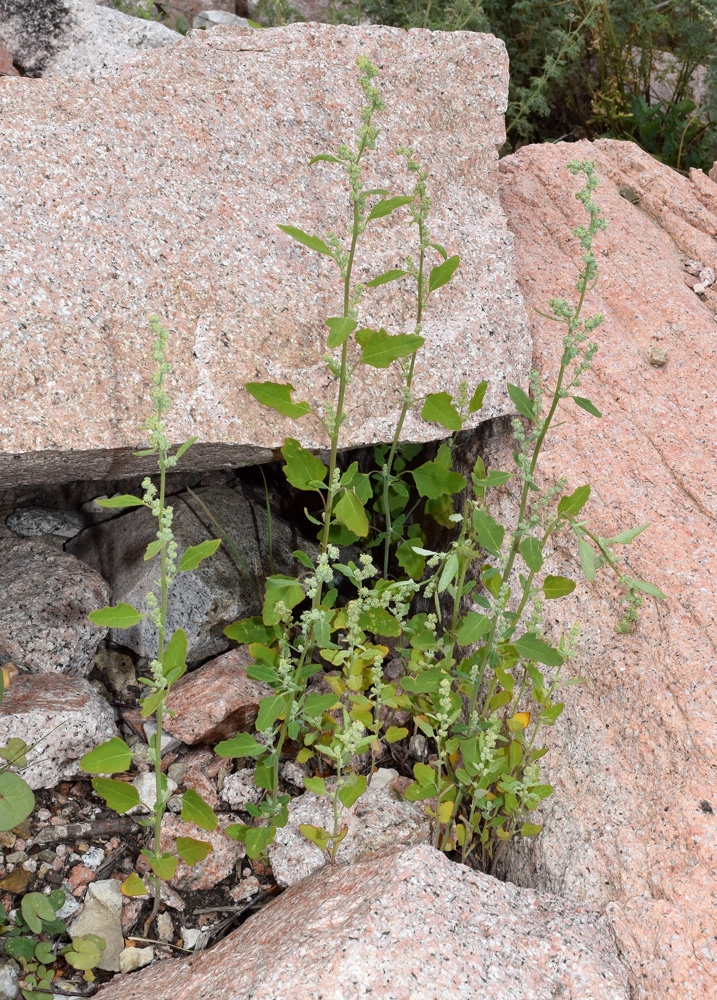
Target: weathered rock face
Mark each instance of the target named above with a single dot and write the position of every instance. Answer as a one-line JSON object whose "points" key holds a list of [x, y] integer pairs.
{"points": [[632, 826], [159, 189], [46, 598], [204, 601], [65, 716], [402, 924], [64, 37]]}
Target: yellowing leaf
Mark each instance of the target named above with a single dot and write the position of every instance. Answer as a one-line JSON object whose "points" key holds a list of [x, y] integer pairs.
{"points": [[522, 719], [133, 886], [445, 811]]}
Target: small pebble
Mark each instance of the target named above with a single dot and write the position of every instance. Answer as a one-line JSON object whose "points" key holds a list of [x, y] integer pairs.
{"points": [[659, 356]]}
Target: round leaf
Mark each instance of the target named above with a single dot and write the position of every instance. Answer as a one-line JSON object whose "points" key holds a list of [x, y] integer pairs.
{"points": [[16, 800]]}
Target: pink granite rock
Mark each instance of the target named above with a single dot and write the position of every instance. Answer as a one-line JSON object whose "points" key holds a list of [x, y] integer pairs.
{"points": [[218, 864], [65, 716], [216, 701], [159, 189], [632, 827], [403, 924], [6, 66]]}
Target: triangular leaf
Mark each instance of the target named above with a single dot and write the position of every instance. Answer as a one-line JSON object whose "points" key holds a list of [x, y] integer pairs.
{"points": [[302, 469], [439, 409], [533, 648], [490, 533], [575, 502], [286, 589], [381, 349], [270, 708], [531, 550], [118, 795], [241, 745], [134, 886], [195, 810], [196, 553], [192, 851], [111, 757], [341, 328], [278, 397], [350, 512], [433, 480]]}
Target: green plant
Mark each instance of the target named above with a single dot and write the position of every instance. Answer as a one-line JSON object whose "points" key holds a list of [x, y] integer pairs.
{"points": [[114, 756], [30, 936], [480, 684]]}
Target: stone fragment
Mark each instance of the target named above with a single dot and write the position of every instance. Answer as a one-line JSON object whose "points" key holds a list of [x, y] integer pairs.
{"points": [[116, 669], [101, 915], [31, 521], [377, 820], [65, 717], [131, 959], [6, 66], [402, 924], [632, 755], [239, 789], [8, 981], [216, 701], [210, 597], [46, 597], [63, 37], [179, 191], [659, 356], [218, 864], [146, 786], [217, 18], [167, 743]]}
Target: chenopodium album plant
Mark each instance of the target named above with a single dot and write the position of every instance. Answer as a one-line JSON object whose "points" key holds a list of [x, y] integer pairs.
{"points": [[479, 684], [114, 756]]}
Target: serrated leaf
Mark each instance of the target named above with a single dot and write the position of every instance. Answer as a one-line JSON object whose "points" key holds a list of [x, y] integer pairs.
{"points": [[477, 398], [521, 401], [112, 757], [120, 616], [395, 733], [341, 328], [302, 469], [384, 278], [532, 552], [134, 886], [381, 349], [197, 553], [118, 795], [350, 512], [241, 745], [388, 205], [193, 851], [125, 500], [270, 708], [533, 648], [433, 480], [472, 628], [575, 502], [317, 704], [557, 586], [277, 396], [196, 810], [352, 790], [439, 409], [312, 242], [586, 405], [442, 273], [490, 534], [153, 548]]}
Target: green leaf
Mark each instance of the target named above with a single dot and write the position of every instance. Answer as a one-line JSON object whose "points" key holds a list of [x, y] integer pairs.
{"points": [[477, 398], [387, 205], [341, 328], [433, 480], [384, 278], [133, 886], [316, 835], [439, 409], [380, 621], [164, 866], [20, 948], [152, 702], [500, 700], [575, 502], [424, 775], [648, 588], [193, 851], [588, 559], [174, 660], [472, 628], [270, 708], [441, 249], [120, 616], [521, 401], [111, 757], [350, 512], [494, 478], [530, 829], [257, 839], [196, 810], [118, 795], [312, 242], [549, 715], [315, 785], [531, 550], [184, 447], [410, 560], [533, 648], [153, 548], [557, 586], [316, 704], [126, 500], [586, 405], [35, 908], [395, 733], [252, 630], [441, 274], [277, 397], [44, 952], [196, 553], [303, 470], [84, 953], [322, 156], [380, 349], [241, 745], [490, 533], [625, 537], [280, 588], [16, 800], [15, 751], [352, 790], [515, 752]]}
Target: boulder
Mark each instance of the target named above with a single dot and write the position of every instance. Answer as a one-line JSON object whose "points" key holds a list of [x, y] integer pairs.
{"points": [[210, 597], [6, 69], [631, 829], [64, 37], [47, 595], [402, 924], [64, 716], [219, 863], [175, 173]]}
